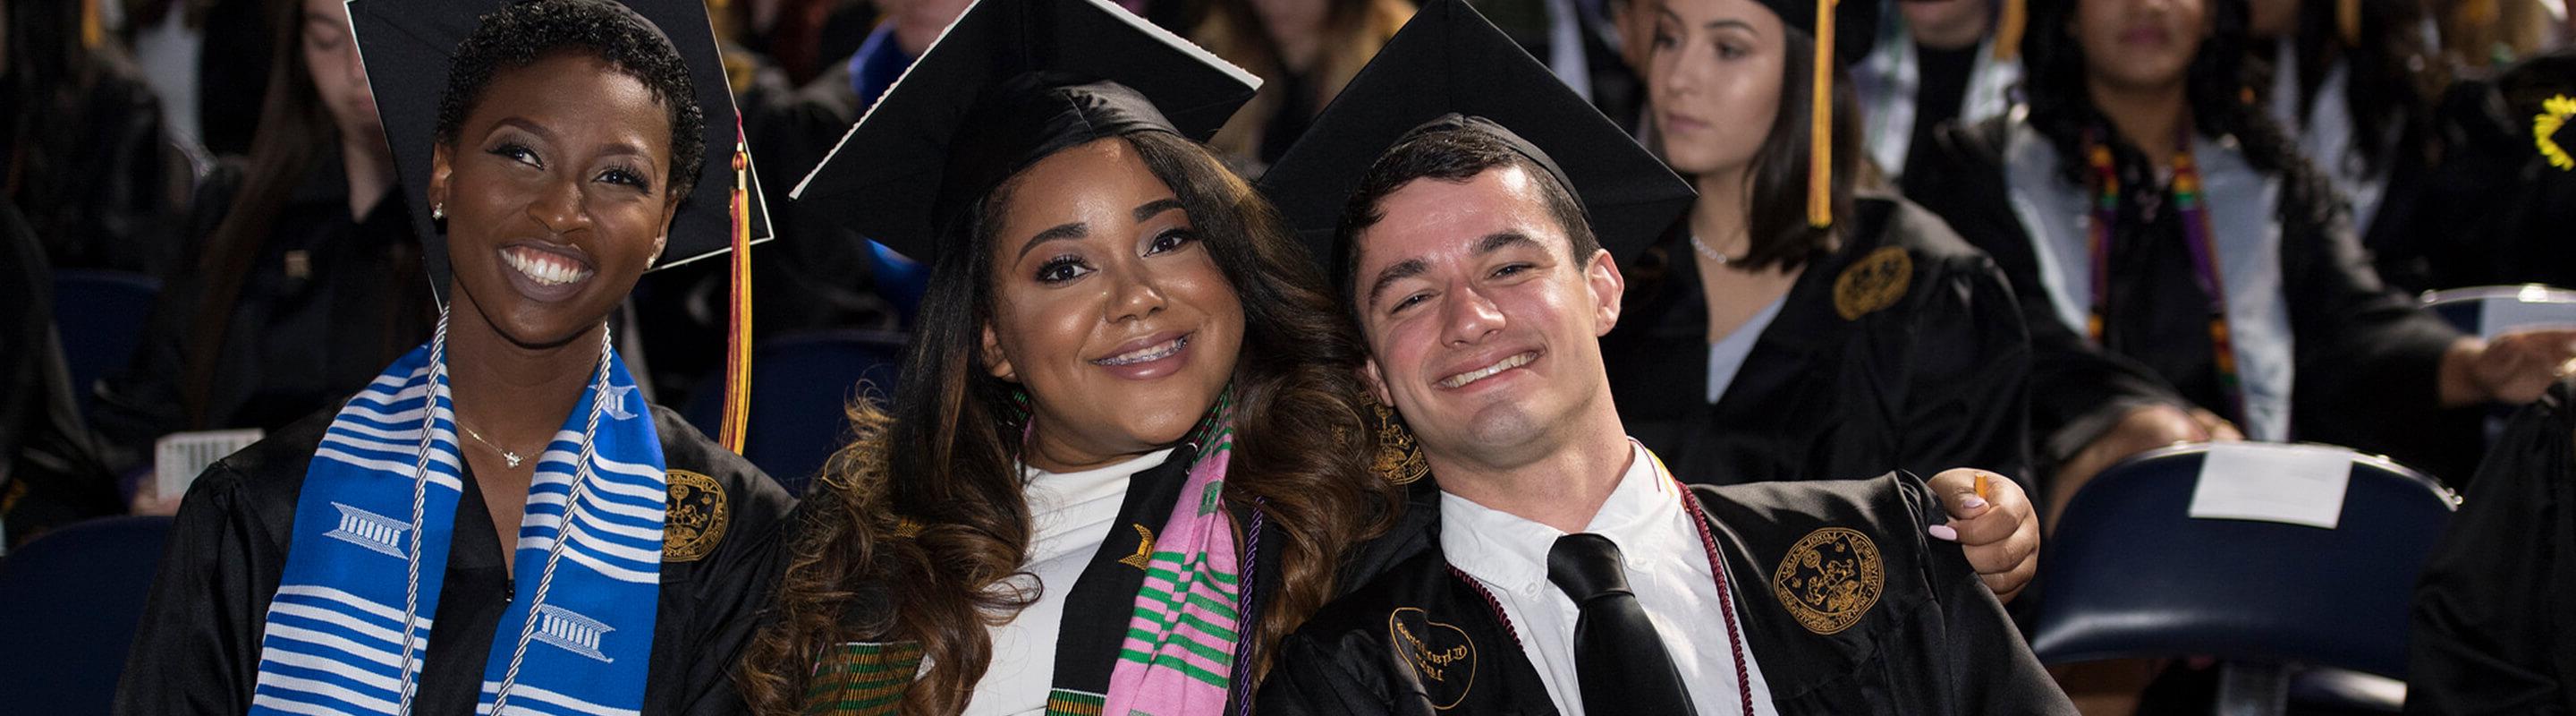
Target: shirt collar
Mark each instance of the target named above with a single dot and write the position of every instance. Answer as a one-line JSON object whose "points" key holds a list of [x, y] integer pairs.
{"points": [[1510, 551]]}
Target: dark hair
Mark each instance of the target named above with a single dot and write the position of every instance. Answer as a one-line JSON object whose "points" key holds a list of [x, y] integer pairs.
{"points": [[2391, 83], [2061, 105], [1450, 154], [293, 125], [939, 522], [517, 35], [1776, 182]]}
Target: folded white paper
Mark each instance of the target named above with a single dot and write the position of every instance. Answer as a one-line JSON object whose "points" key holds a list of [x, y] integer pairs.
{"points": [[2292, 484]]}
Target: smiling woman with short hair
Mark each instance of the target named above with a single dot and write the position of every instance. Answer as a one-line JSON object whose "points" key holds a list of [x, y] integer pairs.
{"points": [[500, 520]]}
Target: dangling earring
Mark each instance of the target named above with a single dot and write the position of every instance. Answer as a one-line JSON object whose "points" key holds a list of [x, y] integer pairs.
{"points": [[438, 212], [1399, 459]]}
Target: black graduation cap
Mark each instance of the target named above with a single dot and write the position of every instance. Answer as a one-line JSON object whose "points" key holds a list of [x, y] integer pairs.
{"points": [[1449, 60], [1009, 83], [407, 46]]}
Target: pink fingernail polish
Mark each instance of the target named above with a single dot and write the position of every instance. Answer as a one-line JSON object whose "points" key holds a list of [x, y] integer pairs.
{"points": [[1944, 533], [1972, 502]]}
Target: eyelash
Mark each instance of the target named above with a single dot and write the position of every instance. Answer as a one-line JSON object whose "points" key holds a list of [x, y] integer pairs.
{"points": [[1047, 272], [1499, 272], [1177, 238], [625, 175]]}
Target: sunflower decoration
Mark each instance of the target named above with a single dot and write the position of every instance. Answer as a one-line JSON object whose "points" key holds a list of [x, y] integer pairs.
{"points": [[2554, 113]]}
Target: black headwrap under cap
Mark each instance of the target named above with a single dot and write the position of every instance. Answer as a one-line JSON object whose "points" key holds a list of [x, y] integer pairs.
{"points": [[1027, 119]]}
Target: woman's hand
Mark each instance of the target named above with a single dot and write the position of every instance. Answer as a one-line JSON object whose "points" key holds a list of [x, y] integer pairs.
{"points": [[1999, 530]]}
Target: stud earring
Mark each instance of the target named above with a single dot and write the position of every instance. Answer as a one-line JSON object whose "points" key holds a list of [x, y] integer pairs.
{"points": [[438, 211]]}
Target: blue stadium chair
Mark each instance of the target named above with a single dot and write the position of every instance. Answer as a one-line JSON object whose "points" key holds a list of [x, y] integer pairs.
{"points": [[100, 316], [801, 384], [2510, 307], [69, 602], [2130, 574]]}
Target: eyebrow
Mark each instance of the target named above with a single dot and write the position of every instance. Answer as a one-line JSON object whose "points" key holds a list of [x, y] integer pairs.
{"points": [[1158, 206], [1076, 230], [1712, 24], [1409, 268], [1401, 270]]}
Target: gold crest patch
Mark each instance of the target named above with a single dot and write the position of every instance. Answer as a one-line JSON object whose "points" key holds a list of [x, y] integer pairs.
{"points": [[1829, 579], [1874, 282], [1440, 654], [694, 520]]}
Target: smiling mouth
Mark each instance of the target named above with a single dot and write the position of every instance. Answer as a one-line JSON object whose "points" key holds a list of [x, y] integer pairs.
{"points": [[1461, 380], [1147, 354], [545, 268]]}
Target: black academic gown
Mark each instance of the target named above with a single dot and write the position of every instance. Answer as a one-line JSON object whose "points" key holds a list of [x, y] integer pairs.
{"points": [[1934, 641], [2495, 611], [197, 649], [2366, 358], [1903, 350]]}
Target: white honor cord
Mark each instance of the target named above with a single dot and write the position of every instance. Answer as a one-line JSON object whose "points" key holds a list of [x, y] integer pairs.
{"points": [[563, 532], [419, 493]]}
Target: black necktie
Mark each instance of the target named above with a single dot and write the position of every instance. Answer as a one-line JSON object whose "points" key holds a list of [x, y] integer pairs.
{"points": [[1618, 657]]}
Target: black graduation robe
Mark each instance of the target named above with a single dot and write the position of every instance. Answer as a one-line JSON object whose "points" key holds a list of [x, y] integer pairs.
{"points": [[2495, 611], [1933, 641], [873, 677], [197, 648], [1902, 350], [2365, 358]]}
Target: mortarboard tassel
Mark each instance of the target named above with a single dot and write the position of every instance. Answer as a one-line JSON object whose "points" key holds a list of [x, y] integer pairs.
{"points": [[2348, 21], [737, 396], [1820, 129], [2008, 29]]}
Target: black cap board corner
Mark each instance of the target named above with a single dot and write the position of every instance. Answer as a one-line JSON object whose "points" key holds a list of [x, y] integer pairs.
{"points": [[1008, 83], [408, 45], [1450, 60]]}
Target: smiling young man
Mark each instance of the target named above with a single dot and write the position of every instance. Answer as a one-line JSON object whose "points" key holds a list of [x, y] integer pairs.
{"points": [[1558, 567]]}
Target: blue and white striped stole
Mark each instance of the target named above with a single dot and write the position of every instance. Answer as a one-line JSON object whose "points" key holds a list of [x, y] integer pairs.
{"points": [[377, 494]]}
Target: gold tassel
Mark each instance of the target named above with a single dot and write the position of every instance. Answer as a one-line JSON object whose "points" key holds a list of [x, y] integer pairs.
{"points": [[93, 27], [1820, 127], [2348, 20], [2008, 30], [737, 409]]}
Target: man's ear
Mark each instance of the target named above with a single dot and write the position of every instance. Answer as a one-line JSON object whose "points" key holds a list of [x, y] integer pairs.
{"points": [[999, 361], [1376, 382], [1608, 289]]}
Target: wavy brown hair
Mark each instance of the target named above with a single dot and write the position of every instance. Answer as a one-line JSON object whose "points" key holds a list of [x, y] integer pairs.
{"points": [[921, 518]]}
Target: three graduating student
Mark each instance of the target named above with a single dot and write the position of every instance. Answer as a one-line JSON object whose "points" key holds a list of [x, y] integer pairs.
{"points": [[1562, 569], [499, 522]]}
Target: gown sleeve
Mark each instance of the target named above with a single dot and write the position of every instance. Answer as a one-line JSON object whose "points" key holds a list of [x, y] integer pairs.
{"points": [[1969, 405], [1989, 669], [196, 650], [2369, 358], [2495, 588], [1310, 678]]}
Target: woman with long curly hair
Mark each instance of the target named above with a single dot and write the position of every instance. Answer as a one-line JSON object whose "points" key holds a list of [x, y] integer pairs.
{"points": [[2153, 218], [1125, 454]]}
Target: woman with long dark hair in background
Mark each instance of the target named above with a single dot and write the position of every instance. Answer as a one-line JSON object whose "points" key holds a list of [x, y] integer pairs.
{"points": [[1127, 451], [285, 304], [1783, 336]]}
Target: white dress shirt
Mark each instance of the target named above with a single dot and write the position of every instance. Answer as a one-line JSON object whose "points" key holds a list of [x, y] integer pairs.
{"points": [[1667, 567], [1071, 514]]}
